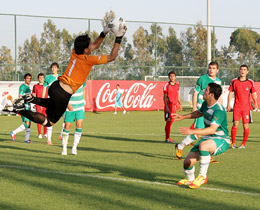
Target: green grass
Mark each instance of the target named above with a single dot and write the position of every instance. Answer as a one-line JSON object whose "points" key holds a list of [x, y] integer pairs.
{"points": [[122, 163]]}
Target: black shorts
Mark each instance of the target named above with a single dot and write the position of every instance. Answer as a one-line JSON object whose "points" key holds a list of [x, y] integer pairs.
{"points": [[59, 100]]}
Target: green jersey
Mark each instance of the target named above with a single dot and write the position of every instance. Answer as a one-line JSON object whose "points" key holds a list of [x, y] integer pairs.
{"points": [[77, 99], [49, 79], [202, 84], [216, 114], [24, 89]]}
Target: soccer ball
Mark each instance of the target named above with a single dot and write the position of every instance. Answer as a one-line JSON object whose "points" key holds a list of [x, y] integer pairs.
{"points": [[117, 26]]}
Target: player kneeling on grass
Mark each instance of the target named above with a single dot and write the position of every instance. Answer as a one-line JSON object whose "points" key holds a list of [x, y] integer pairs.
{"points": [[215, 138]]}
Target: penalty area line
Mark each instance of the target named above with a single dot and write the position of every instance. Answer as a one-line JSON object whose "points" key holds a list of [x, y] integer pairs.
{"points": [[121, 179]]}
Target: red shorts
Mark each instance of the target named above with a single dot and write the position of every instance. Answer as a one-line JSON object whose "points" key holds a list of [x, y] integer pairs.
{"points": [[173, 109], [245, 114]]}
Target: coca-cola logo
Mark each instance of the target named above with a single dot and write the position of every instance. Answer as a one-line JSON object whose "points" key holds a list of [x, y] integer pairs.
{"points": [[137, 96]]}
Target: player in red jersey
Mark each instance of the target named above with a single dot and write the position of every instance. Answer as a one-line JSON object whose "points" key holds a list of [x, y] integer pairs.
{"points": [[243, 88], [171, 99], [38, 92]]}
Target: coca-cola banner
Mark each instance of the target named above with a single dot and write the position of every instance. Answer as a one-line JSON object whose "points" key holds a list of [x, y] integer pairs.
{"points": [[137, 95]]}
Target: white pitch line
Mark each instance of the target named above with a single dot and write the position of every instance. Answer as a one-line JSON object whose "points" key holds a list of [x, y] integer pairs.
{"points": [[121, 179]]}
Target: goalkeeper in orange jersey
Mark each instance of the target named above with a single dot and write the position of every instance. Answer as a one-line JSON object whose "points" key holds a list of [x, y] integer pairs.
{"points": [[75, 75]]}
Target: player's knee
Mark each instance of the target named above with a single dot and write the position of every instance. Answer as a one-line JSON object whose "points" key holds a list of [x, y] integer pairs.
{"points": [[186, 163]]}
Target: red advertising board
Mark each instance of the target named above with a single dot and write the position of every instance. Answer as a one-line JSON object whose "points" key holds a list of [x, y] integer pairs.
{"points": [[138, 95]]}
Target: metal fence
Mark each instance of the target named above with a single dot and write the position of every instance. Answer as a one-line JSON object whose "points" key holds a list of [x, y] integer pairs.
{"points": [[16, 29]]}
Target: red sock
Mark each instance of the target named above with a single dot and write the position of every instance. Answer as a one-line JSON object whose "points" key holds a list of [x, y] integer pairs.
{"points": [[246, 134], [45, 130], [168, 129], [39, 127], [233, 134]]}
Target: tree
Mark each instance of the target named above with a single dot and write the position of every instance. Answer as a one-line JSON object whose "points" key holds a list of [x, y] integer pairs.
{"points": [[246, 43], [6, 63]]}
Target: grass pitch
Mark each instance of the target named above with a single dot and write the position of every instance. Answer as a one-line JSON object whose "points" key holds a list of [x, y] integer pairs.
{"points": [[122, 163]]}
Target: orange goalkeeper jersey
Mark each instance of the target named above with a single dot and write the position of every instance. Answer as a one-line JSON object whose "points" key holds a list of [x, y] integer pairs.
{"points": [[79, 68]]}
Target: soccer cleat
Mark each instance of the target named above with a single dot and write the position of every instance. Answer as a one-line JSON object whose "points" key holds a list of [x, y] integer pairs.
{"points": [[213, 161], [49, 143], [233, 146], [60, 137], [124, 111], [200, 180], [12, 135], [64, 151], [184, 182], [40, 136], [115, 112], [178, 152], [242, 146], [45, 135], [169, 140], [28, 141], [74, 151]]}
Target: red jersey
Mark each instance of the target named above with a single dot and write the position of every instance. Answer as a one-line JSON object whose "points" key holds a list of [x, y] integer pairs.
{"points": [[37, 89], [242, 91], [172, 92]]}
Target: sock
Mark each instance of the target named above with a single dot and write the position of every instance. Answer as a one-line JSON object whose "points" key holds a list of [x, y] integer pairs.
{"points": [[19, 129], [204, 163], [77, 137], [233, 134], [168, 129], [246, 134], [27, 133], [65, 138], [39, 128], [189, 172], [187, 140], [62, 127], [49, 133], [45, 130]]}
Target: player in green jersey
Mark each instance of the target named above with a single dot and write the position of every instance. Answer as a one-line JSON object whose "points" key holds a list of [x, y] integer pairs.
{"points": [[24, 89], [48, 80], [75, 111], [215, 138], [197, 101]]}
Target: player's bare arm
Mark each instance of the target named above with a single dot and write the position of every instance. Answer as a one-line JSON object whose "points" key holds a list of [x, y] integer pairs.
{"points": [[194, 100], [192, 115], [205, 131], [255, 101], [179, 101], [230, 95]]}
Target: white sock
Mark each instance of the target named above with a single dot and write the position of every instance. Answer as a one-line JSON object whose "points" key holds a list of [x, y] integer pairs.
{"points": [[77, 137], [49, 133], [190, 174], [65, 138], [187, 140], [27, 133], [62, 127], [19, 129], [204, 165]]}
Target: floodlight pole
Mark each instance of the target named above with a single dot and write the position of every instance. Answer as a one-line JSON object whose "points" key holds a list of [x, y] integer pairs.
{"points": [[209, 33]]}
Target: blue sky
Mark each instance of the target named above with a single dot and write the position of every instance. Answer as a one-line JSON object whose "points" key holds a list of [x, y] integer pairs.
{"points": [[223, 13]]}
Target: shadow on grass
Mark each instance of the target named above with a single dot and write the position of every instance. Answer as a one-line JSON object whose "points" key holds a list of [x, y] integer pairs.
{"points": [[104, 192]]}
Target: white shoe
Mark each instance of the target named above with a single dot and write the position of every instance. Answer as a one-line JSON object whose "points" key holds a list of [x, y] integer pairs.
{"points": [[115, 112], [124, 111], [64, 152], [40, 136], [74, 151], [45, 135]]}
